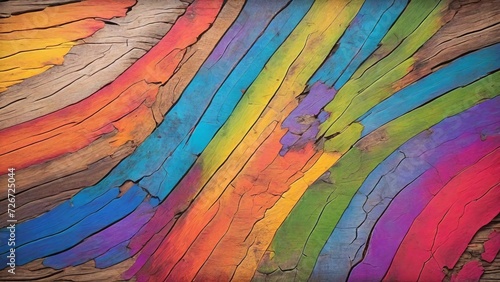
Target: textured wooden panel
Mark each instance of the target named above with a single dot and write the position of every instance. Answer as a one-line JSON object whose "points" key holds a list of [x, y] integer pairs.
{"points": [[286, 140]]}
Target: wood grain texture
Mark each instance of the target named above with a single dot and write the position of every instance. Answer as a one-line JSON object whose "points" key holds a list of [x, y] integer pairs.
{"points": [[86, 272], [88, 165], [425, 161], [91, 63], [10, 8], [289, 140]]}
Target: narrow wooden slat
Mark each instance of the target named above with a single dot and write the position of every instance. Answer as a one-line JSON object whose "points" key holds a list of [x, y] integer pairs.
{"points": [[373, 80], [86, 272], [92, 163], [100, 243], [426, 160], [56, 242], [351, 170], [50, 224], [225, 99], [255, 140], [16, 7], [274, 68], [458, 73], [359, 40], [396, 220]]}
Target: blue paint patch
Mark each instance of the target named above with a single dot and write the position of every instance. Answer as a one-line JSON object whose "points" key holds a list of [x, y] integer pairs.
{"points": [[458, 73]]}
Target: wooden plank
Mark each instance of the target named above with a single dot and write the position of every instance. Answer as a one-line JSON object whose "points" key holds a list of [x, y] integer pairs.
{"points": [[84, 122], [459, 36], [361, 38], [396, 220], [458, 73], [86, 272], [225, 99], [373, 80], [49, 224], [101, 117], [145, 159], [275, 149], [103, 241], [474, 251], [262, 91], [42, 246], [12, 8]]}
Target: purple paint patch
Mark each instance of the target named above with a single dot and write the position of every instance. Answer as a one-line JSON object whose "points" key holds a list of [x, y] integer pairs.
{"points": [[303, 122]]}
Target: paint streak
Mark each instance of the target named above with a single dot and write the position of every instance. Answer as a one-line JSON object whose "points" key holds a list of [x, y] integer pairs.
{"points": [[471, 271]]}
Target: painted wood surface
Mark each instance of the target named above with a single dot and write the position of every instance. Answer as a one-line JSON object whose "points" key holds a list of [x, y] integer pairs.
{"points": [[287, 140]]}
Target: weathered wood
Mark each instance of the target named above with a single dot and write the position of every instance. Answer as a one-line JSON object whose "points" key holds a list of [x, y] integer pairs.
{"points": [[259, 93], [85, 272], [251, 140], [349, 173], [424, 162], [462, 34], [73, 231], [474, 251], [16, 7], [31, 43], [84, 168], [491, 247], [446, 241], [373, 80], [92, 63], [459, 73], [472, 271]]}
